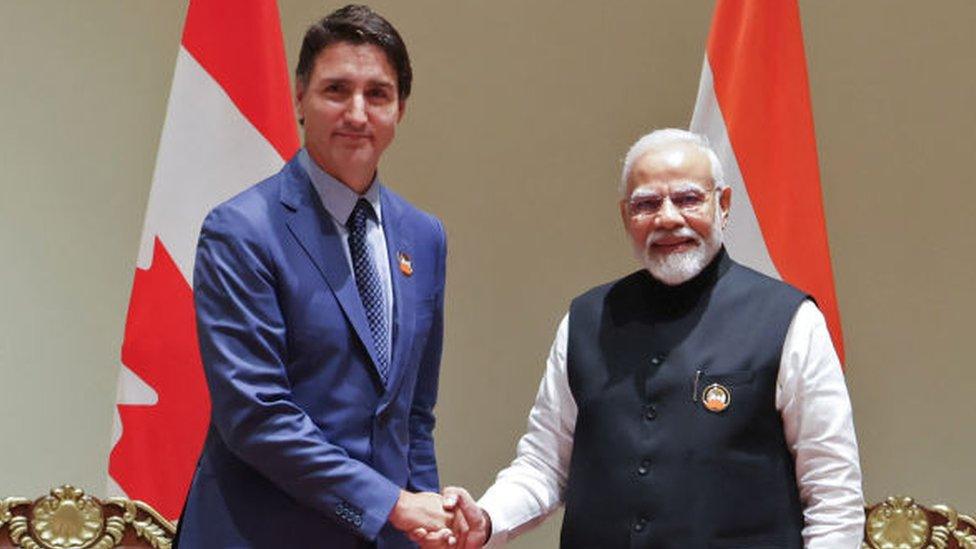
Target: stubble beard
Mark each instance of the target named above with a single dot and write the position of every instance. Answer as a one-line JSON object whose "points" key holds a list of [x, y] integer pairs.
{"points": [[679, 267]]}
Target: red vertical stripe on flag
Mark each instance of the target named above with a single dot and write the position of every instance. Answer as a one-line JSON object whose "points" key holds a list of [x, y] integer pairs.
{"points": [[239, 43], [755, 51]]}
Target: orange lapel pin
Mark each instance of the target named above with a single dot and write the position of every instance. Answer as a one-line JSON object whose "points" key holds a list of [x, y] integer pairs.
{"points": [[406, 267], [716, 398]]}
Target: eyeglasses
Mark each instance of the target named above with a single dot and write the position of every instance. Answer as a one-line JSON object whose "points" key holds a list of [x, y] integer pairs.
{"points": [[687, 201]]}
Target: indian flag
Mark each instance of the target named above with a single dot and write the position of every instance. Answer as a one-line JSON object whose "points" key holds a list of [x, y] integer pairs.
{"points": [[754, 106]]}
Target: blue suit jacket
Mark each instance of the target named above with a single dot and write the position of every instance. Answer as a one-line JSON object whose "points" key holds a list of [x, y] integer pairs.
{"points": [[307, 446]]}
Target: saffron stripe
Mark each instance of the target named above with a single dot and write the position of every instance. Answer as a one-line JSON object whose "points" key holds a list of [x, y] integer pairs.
{"points": [[755, 51]]}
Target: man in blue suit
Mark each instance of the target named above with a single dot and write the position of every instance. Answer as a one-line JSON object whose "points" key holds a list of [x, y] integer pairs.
{"points": [[319, 298]]}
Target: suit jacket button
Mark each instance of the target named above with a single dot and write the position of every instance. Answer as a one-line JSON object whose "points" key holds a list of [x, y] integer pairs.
{"points": [[640, 524], [644, 468], [650, 413]]}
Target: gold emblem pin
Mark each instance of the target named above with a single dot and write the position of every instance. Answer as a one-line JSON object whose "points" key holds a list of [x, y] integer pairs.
{"points": [[406, 267], [716, 398]]}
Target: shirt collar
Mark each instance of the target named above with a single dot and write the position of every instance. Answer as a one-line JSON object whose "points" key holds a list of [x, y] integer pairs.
{"points": [[338, 199]]}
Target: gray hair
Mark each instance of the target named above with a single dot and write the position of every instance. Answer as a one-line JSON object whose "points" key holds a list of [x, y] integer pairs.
{"points": [[668, 137]]}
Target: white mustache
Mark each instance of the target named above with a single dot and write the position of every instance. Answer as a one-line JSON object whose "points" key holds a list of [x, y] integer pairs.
{"points": [[683, 232]]}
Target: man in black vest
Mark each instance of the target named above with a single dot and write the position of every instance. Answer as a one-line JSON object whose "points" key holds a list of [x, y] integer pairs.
{"points": [[694, 403]]}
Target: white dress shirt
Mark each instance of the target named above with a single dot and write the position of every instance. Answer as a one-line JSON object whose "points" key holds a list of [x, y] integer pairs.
{"points": [[817, 422]]}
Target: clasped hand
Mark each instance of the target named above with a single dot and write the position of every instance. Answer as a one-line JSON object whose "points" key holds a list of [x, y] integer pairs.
{"points": [[450, 519]]}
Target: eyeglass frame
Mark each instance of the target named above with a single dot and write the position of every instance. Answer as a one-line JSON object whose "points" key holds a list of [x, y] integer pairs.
{"points": [[684, 210]]}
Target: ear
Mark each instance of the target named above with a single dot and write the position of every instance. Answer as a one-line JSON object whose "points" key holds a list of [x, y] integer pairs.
{"points": [[402, 104], [624, 218], [725, 203], [299, 94]]}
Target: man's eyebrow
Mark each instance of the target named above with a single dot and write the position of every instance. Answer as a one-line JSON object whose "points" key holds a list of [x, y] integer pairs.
{"points": [[689, 186], [371, 82], [680, 186], [381, 83], [643, 193]]}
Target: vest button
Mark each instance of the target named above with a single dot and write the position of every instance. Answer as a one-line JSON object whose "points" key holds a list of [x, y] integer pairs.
{"points": [[657, 360], [644, 468], [650, 413], [640, 524]]}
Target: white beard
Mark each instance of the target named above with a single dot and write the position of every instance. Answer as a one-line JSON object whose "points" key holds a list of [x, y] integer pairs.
{"points": [[675, 268]]}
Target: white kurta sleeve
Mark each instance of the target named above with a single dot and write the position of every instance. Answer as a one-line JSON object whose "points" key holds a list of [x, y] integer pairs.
{"points": [[532, 486], [818, 424]]}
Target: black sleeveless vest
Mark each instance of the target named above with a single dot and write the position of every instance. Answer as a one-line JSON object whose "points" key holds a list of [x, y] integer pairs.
{"points": [[651, 466]]}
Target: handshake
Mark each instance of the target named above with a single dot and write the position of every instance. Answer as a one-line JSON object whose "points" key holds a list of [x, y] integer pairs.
{"points": [[450, 519]]}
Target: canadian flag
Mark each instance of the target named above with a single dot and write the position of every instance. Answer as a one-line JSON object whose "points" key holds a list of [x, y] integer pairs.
{"points": [[754, 106], [229, 123]]}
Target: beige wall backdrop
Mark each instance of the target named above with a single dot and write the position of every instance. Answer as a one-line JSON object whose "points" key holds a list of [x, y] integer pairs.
{"points": [[520, 115]]}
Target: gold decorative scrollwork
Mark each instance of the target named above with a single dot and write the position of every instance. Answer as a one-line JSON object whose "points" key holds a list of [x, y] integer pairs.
{"points": [[956, 526], [20, 533], [152, 533], [6, 506], [145, 529], [69, 518], [900, 523]]}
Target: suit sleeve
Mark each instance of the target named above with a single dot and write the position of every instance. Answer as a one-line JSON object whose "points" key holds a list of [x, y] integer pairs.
{"points": [[423, 464], [242, 337]]}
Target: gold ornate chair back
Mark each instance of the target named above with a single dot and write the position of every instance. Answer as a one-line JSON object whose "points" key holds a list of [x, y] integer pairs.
{"points": [[67, 517], [901, 523]]}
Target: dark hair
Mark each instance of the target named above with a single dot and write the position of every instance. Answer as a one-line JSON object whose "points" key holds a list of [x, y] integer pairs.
{"points": [[355, 24]]}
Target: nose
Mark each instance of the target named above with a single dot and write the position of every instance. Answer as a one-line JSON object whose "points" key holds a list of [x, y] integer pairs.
{"points": [[668, 217], [356, 111]]}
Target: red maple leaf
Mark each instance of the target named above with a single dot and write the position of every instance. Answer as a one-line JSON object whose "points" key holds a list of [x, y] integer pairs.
{"points": [[156, 455]]}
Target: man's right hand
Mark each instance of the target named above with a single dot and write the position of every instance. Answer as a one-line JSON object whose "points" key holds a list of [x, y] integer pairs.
{"points": [[472, 525], [425, 510]]}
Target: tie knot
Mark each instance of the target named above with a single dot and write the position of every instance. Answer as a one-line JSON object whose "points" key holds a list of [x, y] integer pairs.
{"points": [[360, 213]]}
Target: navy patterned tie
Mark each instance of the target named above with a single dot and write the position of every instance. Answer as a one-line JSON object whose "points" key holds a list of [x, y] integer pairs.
{"points": [[368, 282]]}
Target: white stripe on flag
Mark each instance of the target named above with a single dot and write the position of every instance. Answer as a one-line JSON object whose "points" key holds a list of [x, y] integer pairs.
{"points": [[208, 152], [743, 236], [131, 389]]}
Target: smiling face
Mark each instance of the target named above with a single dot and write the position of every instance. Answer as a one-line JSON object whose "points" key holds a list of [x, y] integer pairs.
{"points": [[672, 212], [350, 109]]}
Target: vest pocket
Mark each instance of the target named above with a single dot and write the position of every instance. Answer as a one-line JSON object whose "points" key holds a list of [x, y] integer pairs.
{"points": [[730, 379], [755, 540]]}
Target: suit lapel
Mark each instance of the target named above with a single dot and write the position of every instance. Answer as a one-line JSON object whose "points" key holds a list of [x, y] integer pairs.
{"points": [[398, 241], [314, 230]]}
